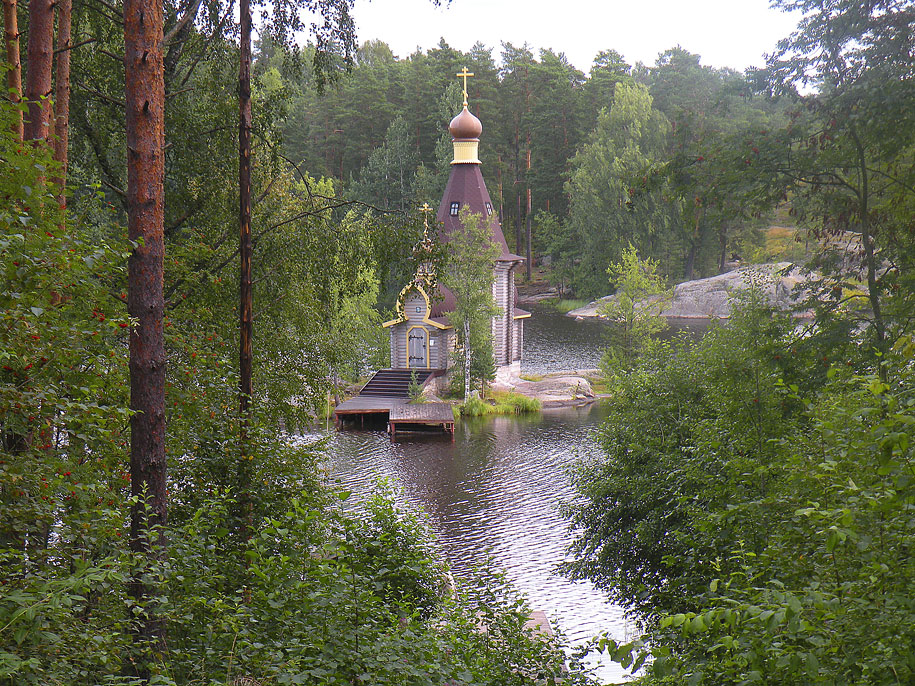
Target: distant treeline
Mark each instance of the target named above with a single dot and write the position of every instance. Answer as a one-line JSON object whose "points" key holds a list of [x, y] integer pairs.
{"points": [[591, 183]]}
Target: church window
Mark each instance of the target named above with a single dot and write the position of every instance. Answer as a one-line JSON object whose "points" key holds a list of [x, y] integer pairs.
{"points": [[488, 209], [455, 207]]}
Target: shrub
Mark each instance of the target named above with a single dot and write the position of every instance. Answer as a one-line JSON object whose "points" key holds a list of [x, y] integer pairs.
{"points": [[515, 403], [476, 407]]}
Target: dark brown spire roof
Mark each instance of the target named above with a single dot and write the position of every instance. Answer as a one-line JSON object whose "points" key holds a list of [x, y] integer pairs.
{"points": [[466, 187]]}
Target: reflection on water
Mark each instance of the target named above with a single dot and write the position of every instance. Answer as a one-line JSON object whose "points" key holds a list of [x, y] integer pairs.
{"points": [[495, 490], [554, 342]]}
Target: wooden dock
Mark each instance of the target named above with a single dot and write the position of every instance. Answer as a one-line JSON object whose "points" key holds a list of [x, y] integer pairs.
{"points": [[366, 408], [421, 417], [383, 401]]}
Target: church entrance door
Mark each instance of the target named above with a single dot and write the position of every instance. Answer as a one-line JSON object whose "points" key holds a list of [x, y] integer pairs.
{"points": [[418, 347]]}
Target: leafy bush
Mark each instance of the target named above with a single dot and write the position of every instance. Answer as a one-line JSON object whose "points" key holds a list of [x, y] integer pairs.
{"points": [[754, 511], [334, 600]]}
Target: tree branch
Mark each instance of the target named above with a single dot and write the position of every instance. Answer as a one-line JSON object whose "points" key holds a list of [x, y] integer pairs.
{"points": [[77, 45], [179, 92], [177, 223], [263, 195], [107, 98], [892, 179], [119, 191], [216, 32], [111, 8], [182, 24]]}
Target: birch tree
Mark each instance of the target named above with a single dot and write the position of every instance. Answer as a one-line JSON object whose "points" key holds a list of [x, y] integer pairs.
{"points": [[469, 275]]}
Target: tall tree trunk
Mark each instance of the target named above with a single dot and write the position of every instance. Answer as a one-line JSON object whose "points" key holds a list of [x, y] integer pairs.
{"points": [[723, 245], [501, 199], [467, 359], [62, 95], [40, 55], [518, 226], [693, 248], [690, 262], [245, 311], [145, 109], [870, 259], [14, 75], [529, 251]]}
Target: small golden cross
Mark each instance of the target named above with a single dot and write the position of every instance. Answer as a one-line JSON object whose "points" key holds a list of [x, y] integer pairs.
{"points": [[464, 74], [425, 209]]}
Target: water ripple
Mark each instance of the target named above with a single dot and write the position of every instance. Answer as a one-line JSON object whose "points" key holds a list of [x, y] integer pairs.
{"points": [[495, 491]]}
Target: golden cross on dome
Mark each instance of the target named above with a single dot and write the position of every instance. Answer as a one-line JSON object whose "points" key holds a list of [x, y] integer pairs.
{"points": [[464, 74]]}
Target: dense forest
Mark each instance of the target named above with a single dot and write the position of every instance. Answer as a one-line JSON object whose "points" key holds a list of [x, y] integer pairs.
{"points": [[155, 162], [565, 154]]}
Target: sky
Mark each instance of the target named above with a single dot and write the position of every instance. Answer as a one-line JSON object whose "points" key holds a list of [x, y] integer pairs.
{"points": [[726, 33]]}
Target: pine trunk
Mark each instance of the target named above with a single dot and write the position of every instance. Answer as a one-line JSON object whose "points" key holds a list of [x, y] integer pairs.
{"points": [[723, 247], [40, 55], [246, 305], [466, 359], [145, 110], [62, 95], [528, 243], [14, 75]]}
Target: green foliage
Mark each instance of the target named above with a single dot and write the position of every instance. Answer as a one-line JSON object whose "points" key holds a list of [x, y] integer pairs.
{"points": [[387, 180], [555, 237], [415, 389], [63, 411], [335, 599], [630, 136], [753, 510], [475, 406], [397, 550], [501, 403], [828, 598], [563, 305], [635, 310], [469, 275], [690, 437], [515, 403]]}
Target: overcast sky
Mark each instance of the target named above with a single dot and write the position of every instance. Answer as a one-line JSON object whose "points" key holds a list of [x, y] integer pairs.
{"points": [[726, 33]]}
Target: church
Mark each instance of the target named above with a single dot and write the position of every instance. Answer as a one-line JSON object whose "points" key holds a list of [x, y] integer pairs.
{"points": [[421, 335]]}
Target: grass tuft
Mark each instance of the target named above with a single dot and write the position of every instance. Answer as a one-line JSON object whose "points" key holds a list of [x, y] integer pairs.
{"points": [[500, 402], [564, 305]]}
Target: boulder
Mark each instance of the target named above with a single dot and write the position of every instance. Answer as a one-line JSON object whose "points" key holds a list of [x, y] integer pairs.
{"points": [[553, 390], [711, 297]]}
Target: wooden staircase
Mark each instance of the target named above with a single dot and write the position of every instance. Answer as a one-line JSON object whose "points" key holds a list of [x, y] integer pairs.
{"points": [[394, 383]]}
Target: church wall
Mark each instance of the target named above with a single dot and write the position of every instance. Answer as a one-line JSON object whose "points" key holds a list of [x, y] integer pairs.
{"points": [[502, 329], [519, 337], [441, 342], [398, 348], [411, 303], [441, 350], [511, 331]]}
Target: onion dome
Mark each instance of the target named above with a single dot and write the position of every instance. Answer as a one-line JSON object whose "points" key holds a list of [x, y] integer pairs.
{"points": [[465, 126]]}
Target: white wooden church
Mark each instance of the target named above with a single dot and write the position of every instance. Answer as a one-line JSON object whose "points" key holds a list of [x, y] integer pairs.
{"points": [[421, 336]]}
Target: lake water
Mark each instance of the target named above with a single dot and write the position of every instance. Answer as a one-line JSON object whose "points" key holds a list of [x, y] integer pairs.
{"points": [[554, 342], [497, 488]]}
